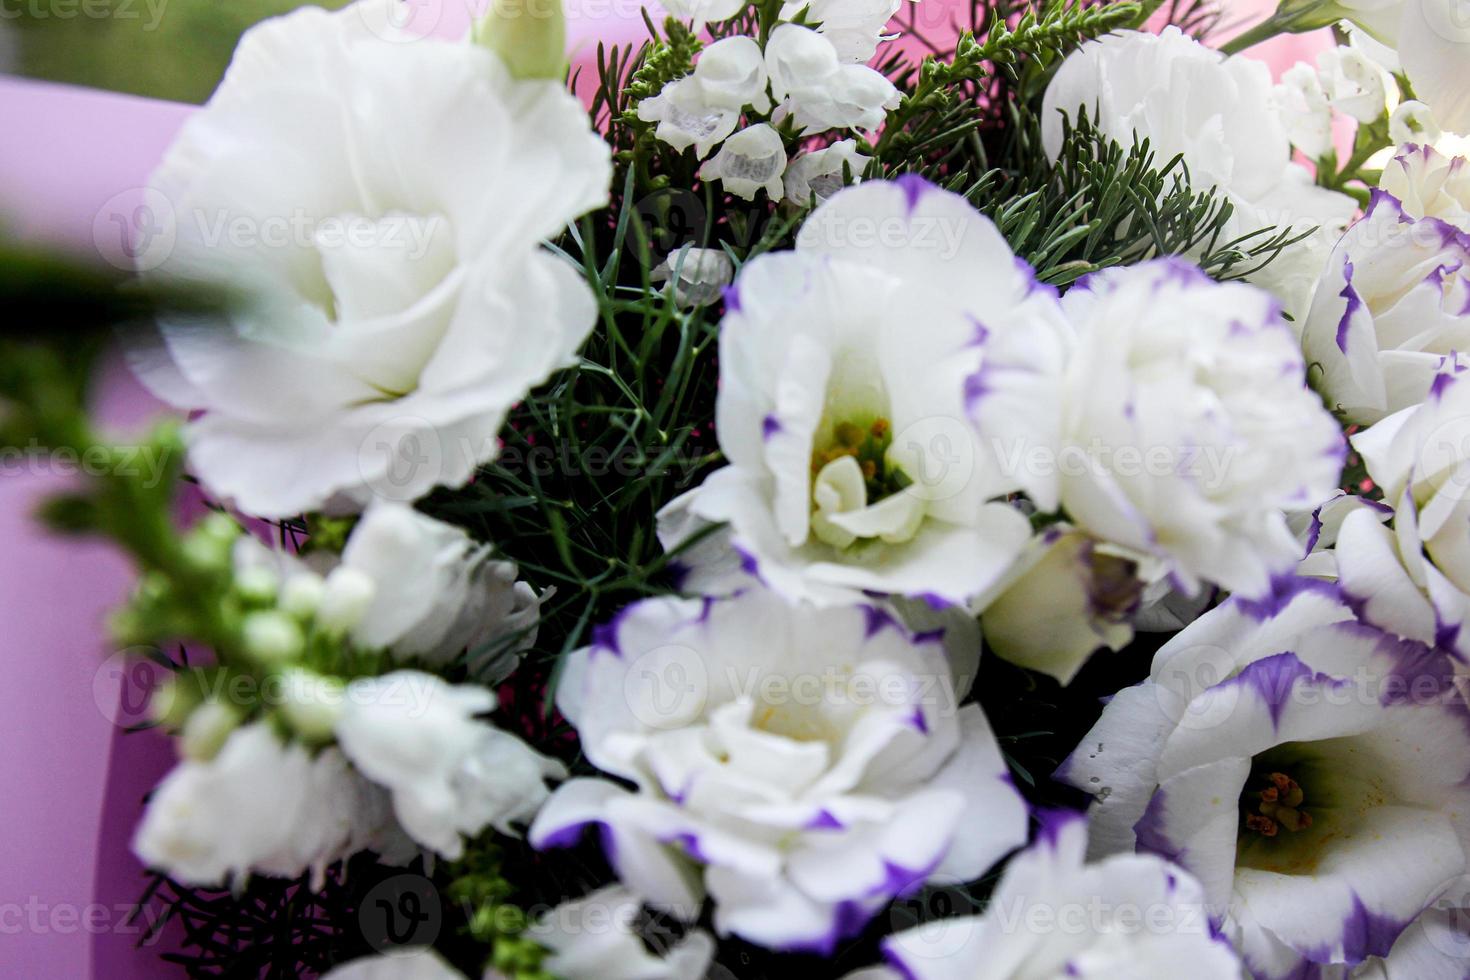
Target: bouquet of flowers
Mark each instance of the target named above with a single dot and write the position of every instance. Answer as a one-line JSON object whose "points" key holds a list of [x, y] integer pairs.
{"points": [[820, 495]]}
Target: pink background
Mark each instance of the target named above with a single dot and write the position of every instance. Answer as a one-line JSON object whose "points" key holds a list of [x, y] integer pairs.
{"points": [[71, 781]]}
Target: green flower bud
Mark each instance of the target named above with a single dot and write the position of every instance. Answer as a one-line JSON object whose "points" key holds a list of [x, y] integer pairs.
{"points": [[529, 35], [272, 637], [207, 729], [311, 704]]}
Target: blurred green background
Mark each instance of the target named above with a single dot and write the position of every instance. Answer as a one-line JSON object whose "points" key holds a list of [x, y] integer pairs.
{"points": [[168, 49]]}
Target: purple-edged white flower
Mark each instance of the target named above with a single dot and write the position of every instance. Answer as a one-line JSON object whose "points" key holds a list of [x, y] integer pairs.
{"points": [[1054, 915], [594, 938], [380, 206], [1430, 184], [800, 766], [841, 404], [1311, 770], [450, 774], [1178, 426], [1188, 99], [1393, 305]]}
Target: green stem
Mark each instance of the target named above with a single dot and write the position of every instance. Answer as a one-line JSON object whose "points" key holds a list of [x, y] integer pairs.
{"points": [[1262, 32]]}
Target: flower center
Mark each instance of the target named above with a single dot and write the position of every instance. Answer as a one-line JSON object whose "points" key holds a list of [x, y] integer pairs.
{"points": [[868, 444], [856, 492], [1276, 806]]}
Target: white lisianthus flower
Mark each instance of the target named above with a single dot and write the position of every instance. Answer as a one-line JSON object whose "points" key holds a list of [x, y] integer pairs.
{"points": [[699, 275], [732, 74], [801, 766], [751, 161], [450, 775], [1054, 915], [821, 173], [812, 83], [411, 585], [686, 117], [261, 805], [409, 964], [1357, 85], [1305, 111], [1429, 184], [593, 938], [1392, 307], [1309, 769], [1188, 99], [841, 405], [1184, 443], [854, 27], [1065, 598], [381, 207]]}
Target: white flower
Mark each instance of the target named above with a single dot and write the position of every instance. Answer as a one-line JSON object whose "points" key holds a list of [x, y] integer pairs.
{"points": [[1304, 109], [686, 117], [803, 766], [749, 162], [1063, 599], [732, 74], [702, 12], [1412, 122], [1431, 39], [821, 92], [593, 938], [1309, 769], [380, 205], [700, 275], [841, 405], [450, 775], [1053, 915], [1190, 100], [821, 173], [261, 805], [412, 964], [1429, 184], [1356, 84], [1391, 308], [854, 27], [1185, 443]]}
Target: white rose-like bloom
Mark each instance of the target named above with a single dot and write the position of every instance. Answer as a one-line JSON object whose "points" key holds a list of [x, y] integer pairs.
{"points": [[841, 404], [260, 805], [686, 117], [808, 77], [854, 27], [749, 162], [699, 275], [1393, 305], [820, 174], [593, 938], [1188, 99], [1429, 184], [1054, 915], [450, 775], [381, 205], [1305, 111], [802, 766], [414, 964], [1309, 769], [1179, 426]]}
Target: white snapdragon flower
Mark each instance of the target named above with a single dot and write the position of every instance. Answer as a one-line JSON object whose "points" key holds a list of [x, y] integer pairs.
{"points": [[1357, 85], [410, 964], [732, 74], [1065, 598], [703, 12], [819, 174], [260, 805], [1186, 445], [1305, 110], [411, 585], [1054, 915], [699, 275], [391, 317], [841, 405], [593, 938], [1188, 99], [801, 766], [1413, 122], [1309, 769], [1392, 307], [1431, 43], [751, 161], [854, 27], [1430, 184], [450, 775], [686, 117], [822, 93]]}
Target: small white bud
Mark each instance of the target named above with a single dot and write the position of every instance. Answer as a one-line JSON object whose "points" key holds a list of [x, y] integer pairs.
{"points": [[272, 637], [311, 704], [345, 600], [208, 727], [257, 585], [302, 595]]}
